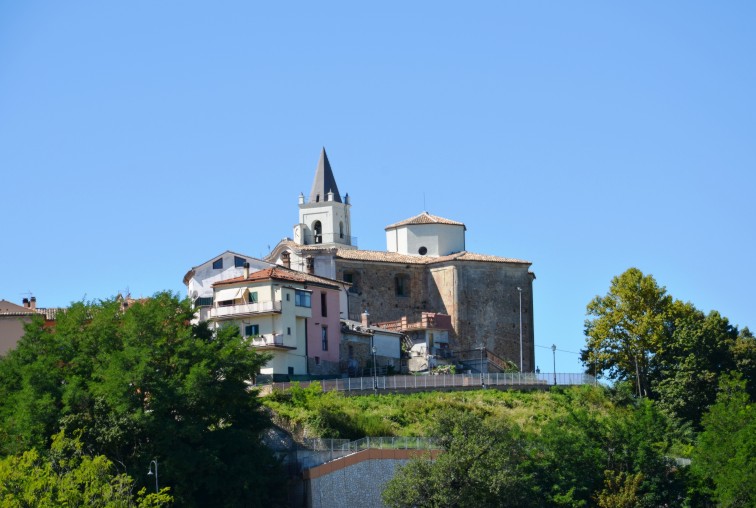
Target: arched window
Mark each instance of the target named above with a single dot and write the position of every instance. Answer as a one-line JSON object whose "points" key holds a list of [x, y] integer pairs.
{"points": [[341, 230], [317, 231]]}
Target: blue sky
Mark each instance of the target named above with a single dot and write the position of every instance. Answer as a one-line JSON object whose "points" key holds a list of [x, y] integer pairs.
{"points": [[138, 139]]}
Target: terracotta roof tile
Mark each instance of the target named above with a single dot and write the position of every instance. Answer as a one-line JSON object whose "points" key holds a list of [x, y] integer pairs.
{"points": [[425, 218], [395, 257], [282, 273]]}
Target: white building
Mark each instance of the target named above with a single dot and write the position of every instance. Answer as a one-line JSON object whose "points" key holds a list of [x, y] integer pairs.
{"points": [[291, 314], [199, 279]]}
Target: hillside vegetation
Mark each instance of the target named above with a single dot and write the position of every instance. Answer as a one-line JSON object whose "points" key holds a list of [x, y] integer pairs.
{"points": [[575, 446], [309, 412]]}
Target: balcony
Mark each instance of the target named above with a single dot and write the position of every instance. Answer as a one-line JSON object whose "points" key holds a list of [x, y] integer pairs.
{"points": [[270, 341], [244, 309]]}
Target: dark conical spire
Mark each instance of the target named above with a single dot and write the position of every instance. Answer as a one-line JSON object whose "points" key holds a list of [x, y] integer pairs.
{"points": [[324, 181]]}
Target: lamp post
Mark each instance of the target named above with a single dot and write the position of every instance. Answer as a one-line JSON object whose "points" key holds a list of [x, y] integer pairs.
{"points": [[519, 290], [149, 473], [375, 379], [553, 352], [482, 348]]}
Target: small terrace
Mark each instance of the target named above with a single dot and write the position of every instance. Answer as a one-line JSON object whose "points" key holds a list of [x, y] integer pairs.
{"points": [[270, 341], [244, 309], [428, 320]]}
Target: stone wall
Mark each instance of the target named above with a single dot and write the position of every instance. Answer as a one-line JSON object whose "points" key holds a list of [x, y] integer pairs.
{"points": [[488, 310], [481, 298], [374, 289], [356, 480]]}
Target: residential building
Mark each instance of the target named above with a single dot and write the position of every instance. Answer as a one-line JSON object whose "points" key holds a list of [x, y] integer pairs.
{"points": [[427, 340], [291, 314], [358, 341], [199, 279], [13, 318]]}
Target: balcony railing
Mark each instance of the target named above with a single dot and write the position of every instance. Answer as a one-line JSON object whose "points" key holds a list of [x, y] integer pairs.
{"points": [[269, 340], [245, 308]]}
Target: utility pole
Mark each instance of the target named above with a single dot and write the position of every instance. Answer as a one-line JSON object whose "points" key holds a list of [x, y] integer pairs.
{"points": [[553, 352]]}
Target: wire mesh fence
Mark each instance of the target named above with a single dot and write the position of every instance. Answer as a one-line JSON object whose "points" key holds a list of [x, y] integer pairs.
{"points": [[430, 382], [314, 452]]}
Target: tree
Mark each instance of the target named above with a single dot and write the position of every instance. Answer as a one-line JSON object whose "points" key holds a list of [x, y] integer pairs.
{"points": [[144, 384], [689, 362], [744, 352], [625, 327], [726, 450], [66, 476], [478, 467], [576, 458]]}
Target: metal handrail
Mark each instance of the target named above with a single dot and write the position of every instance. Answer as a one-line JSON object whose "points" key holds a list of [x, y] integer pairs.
{"points": [[444, 381]]}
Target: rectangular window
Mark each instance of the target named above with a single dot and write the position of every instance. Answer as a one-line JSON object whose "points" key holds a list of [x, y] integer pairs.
{"points": [[402, 285], [239, 262], [324, 336], [323, 305], [287, 297], [252, 296], [251, 330], [288, 330], [218, 264], [302, 299], [203, 301], [348, 277]]}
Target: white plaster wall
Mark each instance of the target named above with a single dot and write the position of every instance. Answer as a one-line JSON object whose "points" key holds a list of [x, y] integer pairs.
{"points": [[439, 239], [387, 345], [281, 362], [392, 240], [205, 275], [330, 214]]}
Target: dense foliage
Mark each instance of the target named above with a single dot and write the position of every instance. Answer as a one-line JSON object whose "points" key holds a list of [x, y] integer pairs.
{"points": [[668, 350], [142, 384], [725, 458], [67, 476], [575, 458], [582, 446], [685, 362]]}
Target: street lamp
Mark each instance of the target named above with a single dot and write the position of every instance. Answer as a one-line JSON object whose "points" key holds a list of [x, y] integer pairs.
{"points": [[375, 379], [482, 348], [149, 473], [519, 289], [553, 352]]}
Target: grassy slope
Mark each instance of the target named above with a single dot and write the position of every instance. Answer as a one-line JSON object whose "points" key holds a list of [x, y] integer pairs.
{"points": [[311, 413]]}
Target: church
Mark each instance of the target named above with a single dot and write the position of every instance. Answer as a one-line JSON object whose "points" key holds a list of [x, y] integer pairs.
{"points": [[426, 275]]}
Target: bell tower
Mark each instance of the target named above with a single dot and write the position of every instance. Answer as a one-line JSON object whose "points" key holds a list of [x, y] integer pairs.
{"points": [[324, 220]]}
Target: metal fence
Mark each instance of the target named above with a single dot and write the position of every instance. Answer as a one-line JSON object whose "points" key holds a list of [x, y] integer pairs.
{"points": [[315, 452], [431, 382]]}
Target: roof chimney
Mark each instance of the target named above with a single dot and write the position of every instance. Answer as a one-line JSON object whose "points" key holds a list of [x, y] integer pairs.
{"points": [[286, 259], [365, 319], [246, 269], [25, 301], [33, 303]]}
